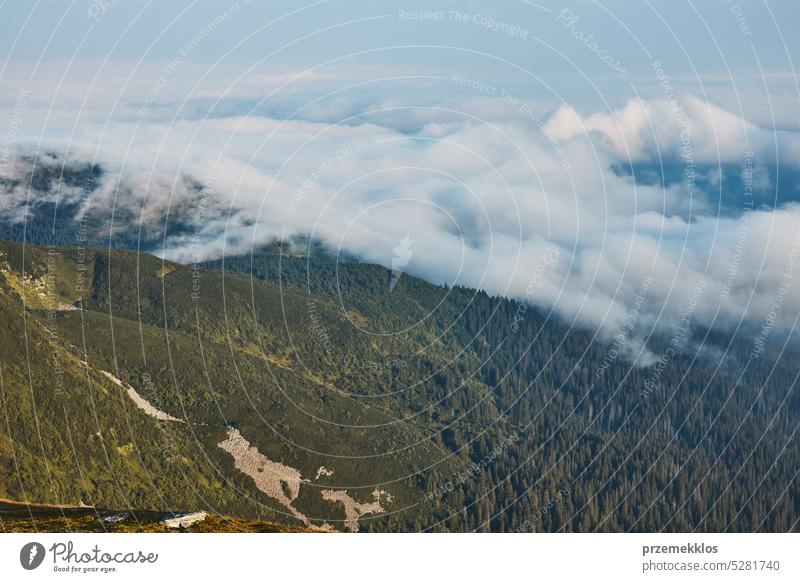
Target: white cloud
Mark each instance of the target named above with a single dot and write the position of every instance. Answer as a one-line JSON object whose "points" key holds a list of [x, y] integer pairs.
{"points": [[485, 194]]}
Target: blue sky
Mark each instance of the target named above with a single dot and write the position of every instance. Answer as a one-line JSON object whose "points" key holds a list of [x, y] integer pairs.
{"points": [[706, 42], [734, 53]]}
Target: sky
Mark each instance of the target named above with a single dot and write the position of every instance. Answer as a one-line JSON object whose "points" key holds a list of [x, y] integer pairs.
{"points": [[629, 165], [714, 46]]}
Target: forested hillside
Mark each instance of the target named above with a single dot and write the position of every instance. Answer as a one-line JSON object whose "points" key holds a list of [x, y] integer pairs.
{"points": [[408, 408]]}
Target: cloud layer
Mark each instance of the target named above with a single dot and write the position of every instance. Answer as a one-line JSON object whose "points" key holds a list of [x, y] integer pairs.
{"points": [[562, 208]]}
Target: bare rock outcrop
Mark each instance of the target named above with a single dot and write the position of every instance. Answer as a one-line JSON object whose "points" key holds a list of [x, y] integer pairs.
{"points": [[140, 402], [323, 472], [353, 510], [276, 480]]}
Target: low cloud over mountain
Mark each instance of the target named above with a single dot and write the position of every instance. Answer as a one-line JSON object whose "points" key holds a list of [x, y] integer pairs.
{"points": [[654, 217]]}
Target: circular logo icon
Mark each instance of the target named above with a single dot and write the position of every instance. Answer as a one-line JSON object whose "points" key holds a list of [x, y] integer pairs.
{"points": [[31, 555]]}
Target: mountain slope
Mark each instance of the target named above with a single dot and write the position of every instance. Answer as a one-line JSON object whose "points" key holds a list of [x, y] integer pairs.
{"points": [[312, 393], [99, 447]]}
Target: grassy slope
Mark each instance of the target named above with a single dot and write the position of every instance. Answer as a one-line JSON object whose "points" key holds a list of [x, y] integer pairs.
{"points": [[96, 447]]}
